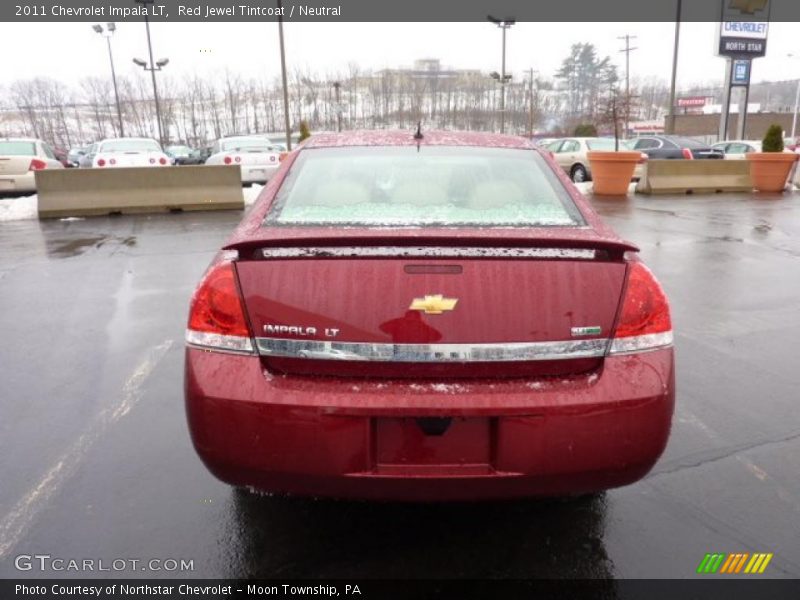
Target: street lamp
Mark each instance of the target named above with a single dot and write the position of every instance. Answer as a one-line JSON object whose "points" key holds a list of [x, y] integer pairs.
{"points": [[503, 24], [153, 66], [796, 102], [107, 33]]}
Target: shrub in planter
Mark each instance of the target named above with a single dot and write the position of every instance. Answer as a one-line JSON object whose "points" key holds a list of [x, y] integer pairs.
{"points": [[770, 168]]}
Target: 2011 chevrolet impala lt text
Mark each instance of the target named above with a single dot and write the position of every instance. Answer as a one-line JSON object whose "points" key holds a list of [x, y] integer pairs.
{"points": [[439, 316]]}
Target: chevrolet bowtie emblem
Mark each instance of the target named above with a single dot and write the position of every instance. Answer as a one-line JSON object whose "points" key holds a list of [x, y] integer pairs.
{"points": [[748, 6], [433, 305]]}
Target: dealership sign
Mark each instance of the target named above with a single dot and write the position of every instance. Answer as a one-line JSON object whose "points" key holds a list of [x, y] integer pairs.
{"points": [[692, 101], [743, 28]]}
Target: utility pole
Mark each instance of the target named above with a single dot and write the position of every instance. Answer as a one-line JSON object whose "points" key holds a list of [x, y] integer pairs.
{"points": [[627, 50], [283, 77], [502, 77], [337, 86], [671, 120]]}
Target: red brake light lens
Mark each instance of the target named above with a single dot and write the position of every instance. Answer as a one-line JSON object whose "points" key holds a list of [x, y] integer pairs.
{"points": [[162, 161], [101, 162], [645, 321], [37, 165], [216, 315], [687, 154], [282, 155], [227, 160]]}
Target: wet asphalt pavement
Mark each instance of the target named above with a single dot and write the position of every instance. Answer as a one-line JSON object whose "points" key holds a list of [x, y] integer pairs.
{"points": [[96, 461]]}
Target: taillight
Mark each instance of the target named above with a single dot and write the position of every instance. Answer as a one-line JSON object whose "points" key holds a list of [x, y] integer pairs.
{"points": [[216, 316], [238, 159], [37, 165], [162, 161], [687, 154], [152, 161], [644, 322], [282, 155], [101, 162], [271, 158], [113, 161], [643, 159], [227, 160]]}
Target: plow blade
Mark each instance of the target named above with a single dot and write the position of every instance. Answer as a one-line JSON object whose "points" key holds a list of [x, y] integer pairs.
{"points": [[87, 192]]}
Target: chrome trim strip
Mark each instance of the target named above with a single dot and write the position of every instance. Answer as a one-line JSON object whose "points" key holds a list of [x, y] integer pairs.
{"points": [[640, 343], [431, 353], [216, 341], [427, 252]]}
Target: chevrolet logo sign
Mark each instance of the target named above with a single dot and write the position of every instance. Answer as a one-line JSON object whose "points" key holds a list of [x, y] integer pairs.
{"points": [[433, 305], [748, 7]]}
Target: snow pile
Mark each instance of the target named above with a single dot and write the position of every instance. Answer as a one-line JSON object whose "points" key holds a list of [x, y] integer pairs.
{"points": [[251, 193], [17, 209]]}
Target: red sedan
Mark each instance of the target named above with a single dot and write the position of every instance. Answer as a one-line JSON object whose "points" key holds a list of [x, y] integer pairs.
{"points": [[434, 318]]}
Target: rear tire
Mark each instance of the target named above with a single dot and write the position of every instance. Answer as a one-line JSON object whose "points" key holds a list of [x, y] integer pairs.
{"points": [[578, 174]]}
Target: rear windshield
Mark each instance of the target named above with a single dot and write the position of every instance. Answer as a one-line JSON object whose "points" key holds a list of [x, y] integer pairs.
{"points": [[17, 148], [130, 146], [248, 144], [684, 142], [429, 186]]}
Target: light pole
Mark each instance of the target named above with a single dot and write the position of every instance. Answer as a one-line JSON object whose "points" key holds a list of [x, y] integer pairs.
{"points": [[796, 102], [284, 78], [671, 122], [107, 33], [152, 67], [337, 86], [502, 77]]}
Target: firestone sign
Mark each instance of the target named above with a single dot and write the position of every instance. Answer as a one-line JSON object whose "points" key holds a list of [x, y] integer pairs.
{"points": [[743, 28]]}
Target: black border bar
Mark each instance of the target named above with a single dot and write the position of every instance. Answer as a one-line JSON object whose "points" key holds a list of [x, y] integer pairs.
{"points": [[596, 11], [731, 588]]}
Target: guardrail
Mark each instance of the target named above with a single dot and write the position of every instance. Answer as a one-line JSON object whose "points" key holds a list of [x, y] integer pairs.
{"points": [[87, 192], [705, 176]]}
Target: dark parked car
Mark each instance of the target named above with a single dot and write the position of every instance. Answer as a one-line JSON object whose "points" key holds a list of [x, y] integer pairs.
{"points": [[75, 155], [669, 146], [427, 319], [184, 155]]}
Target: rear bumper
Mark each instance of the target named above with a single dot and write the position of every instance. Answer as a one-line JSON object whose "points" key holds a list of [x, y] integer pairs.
{"points": [[25, 182], [258, 173], [361, 439]]}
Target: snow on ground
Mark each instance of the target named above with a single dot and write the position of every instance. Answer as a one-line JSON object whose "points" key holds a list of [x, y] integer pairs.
{"points": [[17, 209], [251, 193], [26, 207]]}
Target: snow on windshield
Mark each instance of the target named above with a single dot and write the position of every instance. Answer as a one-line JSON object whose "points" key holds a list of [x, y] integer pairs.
{"points": [[404, 186]]}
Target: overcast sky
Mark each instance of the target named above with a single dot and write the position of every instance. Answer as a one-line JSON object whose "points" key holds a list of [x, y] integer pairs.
{"points": [[70, 51]]}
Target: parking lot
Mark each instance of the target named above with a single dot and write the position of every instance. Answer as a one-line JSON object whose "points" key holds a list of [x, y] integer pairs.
{"points": [[97, 460]]}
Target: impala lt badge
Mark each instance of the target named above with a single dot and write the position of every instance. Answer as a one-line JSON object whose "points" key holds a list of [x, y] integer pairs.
{"points": [[433, 305]]}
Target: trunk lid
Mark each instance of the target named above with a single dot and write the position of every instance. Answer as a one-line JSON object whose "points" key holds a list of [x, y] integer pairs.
{"points": [[432, 311]]}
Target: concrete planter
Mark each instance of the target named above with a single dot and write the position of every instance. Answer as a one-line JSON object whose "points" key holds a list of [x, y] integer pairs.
{"points": [[770, 170], [612, 171]]}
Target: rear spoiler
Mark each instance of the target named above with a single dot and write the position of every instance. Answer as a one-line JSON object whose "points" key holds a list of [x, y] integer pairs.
{"points": [[390, 246]]}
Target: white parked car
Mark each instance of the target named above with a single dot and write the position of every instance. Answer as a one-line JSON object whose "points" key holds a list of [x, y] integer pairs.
{"points": [[20, 158], [571, 154], [737, 149], [125, 152], [256, 155]]}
